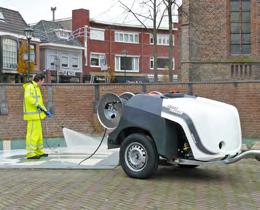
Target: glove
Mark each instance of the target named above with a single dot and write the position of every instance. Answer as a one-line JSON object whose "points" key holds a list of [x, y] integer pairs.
{"points": [[40, 107], [49, 114]]}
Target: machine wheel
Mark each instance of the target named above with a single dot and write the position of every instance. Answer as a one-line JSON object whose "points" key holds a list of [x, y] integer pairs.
{"points": [[187, 166], [138, 156]]}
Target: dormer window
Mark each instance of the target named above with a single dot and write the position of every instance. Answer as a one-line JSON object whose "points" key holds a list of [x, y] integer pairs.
{"points": [[62, 34], [2, 18]]}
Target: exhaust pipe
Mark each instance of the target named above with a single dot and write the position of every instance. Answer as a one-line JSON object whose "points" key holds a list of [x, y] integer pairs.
{"points": [[249, 153]]}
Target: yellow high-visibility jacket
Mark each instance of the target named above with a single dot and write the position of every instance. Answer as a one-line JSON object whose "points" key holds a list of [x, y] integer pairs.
{"points": [[32, 98]]}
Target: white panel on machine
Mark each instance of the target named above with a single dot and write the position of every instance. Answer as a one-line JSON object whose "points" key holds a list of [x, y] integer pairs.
{"points": [[204, 119]]}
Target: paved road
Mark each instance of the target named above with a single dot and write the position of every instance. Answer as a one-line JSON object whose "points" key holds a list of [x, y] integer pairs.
{"points": [[230, 187]]}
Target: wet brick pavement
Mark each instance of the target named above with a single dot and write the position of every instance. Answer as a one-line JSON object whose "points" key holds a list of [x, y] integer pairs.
{"points": [[232, 187]]}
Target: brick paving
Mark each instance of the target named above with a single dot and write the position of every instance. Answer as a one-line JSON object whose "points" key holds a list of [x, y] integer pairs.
{"points": [[217, 187]]}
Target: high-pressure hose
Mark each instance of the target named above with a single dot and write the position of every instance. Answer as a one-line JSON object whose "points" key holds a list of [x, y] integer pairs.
{"points": [[105, 131], [103, 137]]}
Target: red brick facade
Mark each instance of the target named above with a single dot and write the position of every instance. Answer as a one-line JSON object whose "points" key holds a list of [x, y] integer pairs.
{"points": [[74, 104], [206, 32], [143, 49]]}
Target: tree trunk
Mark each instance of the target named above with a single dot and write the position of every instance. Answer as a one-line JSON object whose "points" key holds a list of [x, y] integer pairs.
{"points": [[170, 41], [155, 42]]}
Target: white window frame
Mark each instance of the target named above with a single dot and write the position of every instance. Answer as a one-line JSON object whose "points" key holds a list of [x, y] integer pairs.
{"points": [[10, 53], [162, 39], [100, 55], [50, 59], [118, 63], [62, 34], [75, 57], [125, 37], [61, 60], [92, 35], [152, 63]]}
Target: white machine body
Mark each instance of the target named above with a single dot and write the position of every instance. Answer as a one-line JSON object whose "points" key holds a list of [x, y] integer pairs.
{"points": [[212, 128]]}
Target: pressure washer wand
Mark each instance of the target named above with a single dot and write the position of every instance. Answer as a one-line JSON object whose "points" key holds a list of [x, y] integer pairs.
{"points": [[45, 112]]}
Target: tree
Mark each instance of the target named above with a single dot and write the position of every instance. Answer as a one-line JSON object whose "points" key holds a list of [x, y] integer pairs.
{"points": [[111, 73], [154, 13], [22, 66], [169, 5]]}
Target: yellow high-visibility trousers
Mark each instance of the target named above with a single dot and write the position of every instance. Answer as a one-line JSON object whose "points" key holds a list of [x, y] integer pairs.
{"points": [[34, 141]]}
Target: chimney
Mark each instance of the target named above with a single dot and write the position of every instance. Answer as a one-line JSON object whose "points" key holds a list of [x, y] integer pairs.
{"points": [[80, 18], [53, 9]]}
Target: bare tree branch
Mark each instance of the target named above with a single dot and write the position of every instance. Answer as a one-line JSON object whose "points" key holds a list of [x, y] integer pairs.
{"points": [[149, 17], [159, 24], [137, 18], [156, 14]]}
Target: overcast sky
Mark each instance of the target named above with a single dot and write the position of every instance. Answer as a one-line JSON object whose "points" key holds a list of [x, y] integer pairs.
{"points": [[103, 10]]}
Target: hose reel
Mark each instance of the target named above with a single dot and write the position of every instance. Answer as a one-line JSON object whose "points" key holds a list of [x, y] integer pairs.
{"points": [[110, 109]]}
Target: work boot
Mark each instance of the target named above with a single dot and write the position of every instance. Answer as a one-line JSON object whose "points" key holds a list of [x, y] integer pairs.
{"points": [[34, 158], [44, 155]]}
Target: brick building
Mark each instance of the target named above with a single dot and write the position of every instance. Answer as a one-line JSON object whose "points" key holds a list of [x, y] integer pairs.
{"points": [[125, 50], [59, 56], [12, 26], [220, 40]]}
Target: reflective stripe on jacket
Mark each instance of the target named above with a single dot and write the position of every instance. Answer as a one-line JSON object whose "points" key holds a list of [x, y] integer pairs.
{"points": [[32, 98]]}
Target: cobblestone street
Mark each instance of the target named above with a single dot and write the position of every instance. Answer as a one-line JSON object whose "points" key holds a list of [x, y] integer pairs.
{"points": [[235, 186]]}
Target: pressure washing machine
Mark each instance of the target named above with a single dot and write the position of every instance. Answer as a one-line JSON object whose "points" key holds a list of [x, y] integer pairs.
{"points": [[182, 129]]}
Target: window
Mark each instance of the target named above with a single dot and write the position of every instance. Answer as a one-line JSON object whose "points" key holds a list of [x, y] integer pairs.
{"points": [[97, 34], [53, 62], [129, 63], [95, 59], [64, 61], [162, 39], [2, 18], [75, 62], [62, 34], [162, 63], [32, 53], [10, 54], [127, 37], [240, 22]]}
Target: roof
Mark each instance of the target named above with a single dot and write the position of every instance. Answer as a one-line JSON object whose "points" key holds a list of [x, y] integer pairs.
{"points": [[67, 23], [93, 21], [12, 21], [47, 31]]}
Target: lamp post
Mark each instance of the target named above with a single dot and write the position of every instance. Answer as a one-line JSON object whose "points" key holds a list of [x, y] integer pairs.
{"points": [[124, 53], [28, 33]]}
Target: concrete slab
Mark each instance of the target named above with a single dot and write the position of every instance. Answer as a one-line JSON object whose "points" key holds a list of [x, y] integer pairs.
{"points": [[74, 155], [63, 158]]}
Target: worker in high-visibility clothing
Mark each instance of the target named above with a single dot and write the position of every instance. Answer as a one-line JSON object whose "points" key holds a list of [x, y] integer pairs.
{"points": [[33, 112]]}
